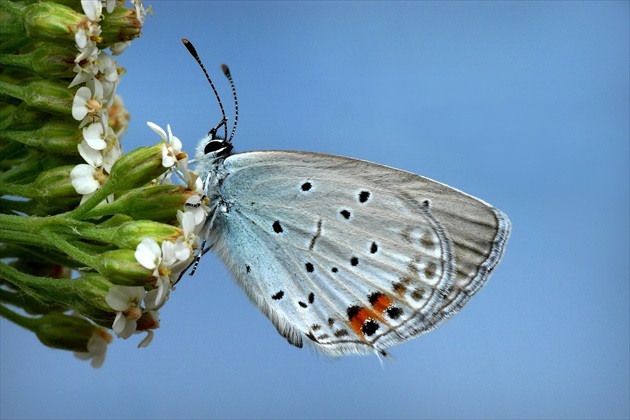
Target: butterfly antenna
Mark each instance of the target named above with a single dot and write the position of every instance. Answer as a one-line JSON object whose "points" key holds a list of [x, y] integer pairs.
{"points": [[226, 71], [191, 49]]}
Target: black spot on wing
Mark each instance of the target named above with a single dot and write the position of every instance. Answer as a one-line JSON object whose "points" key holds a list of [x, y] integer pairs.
{"points": [[277, 227]]}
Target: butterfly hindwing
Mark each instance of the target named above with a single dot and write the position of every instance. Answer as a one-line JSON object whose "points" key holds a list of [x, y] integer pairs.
{"points": [[349, 255]]}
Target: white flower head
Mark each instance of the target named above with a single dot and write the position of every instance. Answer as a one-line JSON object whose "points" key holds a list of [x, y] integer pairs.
{"points": [[125, 300], [89, 31], [93, 157], [94, 134], [119, 47], [189, 241], [141, 12], [197, 205], [84, 179], [96, 348], [162, 260], [85, 66], [146, 340], [87, 105], [93, 9], [110, 5], [112, 152], [172, 147]]}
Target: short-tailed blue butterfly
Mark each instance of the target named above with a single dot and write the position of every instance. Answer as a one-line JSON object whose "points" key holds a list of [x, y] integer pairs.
{"points": [[347, 255]]}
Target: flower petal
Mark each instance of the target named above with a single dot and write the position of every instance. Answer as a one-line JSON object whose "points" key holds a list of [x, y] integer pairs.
{"points": [[148, 253]]}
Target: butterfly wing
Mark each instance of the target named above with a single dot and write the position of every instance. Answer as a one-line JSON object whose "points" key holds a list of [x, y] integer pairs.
{"points": [[351, 256]]}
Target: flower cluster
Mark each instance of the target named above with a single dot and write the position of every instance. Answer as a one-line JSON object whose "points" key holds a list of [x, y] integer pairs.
{"points": [[91, 239]]}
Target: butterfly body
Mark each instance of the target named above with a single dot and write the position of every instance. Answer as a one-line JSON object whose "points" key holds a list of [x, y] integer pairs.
{"points": [[347, 255]]}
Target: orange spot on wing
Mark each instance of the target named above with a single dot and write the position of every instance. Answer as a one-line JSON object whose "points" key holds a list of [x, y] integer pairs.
{"points": [[357, 321], [382, 303]]}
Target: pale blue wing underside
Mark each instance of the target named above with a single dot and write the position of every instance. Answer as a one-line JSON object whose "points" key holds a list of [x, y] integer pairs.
{"points": [[348, 255]]}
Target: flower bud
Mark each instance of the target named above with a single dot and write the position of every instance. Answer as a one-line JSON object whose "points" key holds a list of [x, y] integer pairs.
{"points": [[23, 118], [59, 137], [120, 25], [121, 267], [88, 298], [130, 234], [156, 202], [46, 95], [47, 60], [54, 184], [66, 332], [52, 22], [136, 168]]}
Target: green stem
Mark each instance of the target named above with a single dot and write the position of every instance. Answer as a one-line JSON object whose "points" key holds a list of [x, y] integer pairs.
{"points": [[84, 209], [8, 188], [43, 289], [16, 60], [39, 232], [23, 321], [15, 91]]}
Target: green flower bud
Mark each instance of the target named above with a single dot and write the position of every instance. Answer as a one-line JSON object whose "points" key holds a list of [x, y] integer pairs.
{"points": [[46, 95], [23, 117], [136, 168], [89, 298], [60, 137], [120, 25], [121, 267], [11, 44], [52, 22], [130, 234], [47, 60], [54, 184], [66, 332], [155, 202]]}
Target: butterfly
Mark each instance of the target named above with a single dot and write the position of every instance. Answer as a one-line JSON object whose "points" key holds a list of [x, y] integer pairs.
{"points": [[346, 255]]}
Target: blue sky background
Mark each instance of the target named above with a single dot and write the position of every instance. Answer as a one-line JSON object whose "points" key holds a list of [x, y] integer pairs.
{"points": [[523, 104]]}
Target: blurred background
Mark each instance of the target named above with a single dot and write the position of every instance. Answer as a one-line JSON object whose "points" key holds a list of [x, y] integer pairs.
{"points": [[523, 104]]}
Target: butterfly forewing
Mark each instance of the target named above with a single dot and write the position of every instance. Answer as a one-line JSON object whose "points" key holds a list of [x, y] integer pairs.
{"points": [[351, 255]]}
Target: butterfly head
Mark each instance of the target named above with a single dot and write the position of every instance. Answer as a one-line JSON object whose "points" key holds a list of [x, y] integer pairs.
{"points": [[211, 148]]}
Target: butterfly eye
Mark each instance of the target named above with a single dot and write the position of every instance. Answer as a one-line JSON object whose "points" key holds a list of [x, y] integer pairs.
{"points": [[214, 145]]}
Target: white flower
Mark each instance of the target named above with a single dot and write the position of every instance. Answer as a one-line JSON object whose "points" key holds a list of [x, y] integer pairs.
{"points": [[197, 205], [87, 104], [189, 241], [126, 301], [119, 47], [85, 64], [93, 157], [172, 147], [112, 152], [110, 5], [96, 348], [159, 259], [107, 67], [140, 10], [94, 134], [92, 9], [79, 103], [84, 179], [87, 34], [146, 340]]}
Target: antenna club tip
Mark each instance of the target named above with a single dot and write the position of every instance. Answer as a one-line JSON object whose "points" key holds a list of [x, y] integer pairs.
{"points": [[185, 40], [225, 69]]}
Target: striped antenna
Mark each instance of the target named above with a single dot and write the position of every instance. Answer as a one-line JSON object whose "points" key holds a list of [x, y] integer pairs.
{"points": [[191, 49], [226, 71]]}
